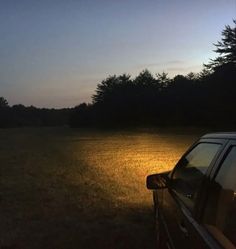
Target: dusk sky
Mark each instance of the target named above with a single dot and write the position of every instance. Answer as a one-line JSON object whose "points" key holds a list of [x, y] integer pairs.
{"points": [[53, 53]]}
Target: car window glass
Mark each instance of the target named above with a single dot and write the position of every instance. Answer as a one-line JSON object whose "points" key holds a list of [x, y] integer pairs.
{"points": [[190, 170], [220, 211]]}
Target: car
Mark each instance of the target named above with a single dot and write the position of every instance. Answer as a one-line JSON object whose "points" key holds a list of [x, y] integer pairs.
{"points": [[195, 203]]}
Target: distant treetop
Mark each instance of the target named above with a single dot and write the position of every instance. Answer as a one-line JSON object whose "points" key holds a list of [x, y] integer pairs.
{"points": [[226, 48], [3, 102]]}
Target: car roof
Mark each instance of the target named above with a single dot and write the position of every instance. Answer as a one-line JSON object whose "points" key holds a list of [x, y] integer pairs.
{"points": [[221, 135]]}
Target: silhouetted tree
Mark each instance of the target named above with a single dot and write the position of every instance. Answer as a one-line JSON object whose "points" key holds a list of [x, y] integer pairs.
{"points": [[163, 79], [145, 78], [81, 116], [3, 102], [4, 113], [20, 115], [226, 48], [192, 76], [107, 90], [206, 98]]}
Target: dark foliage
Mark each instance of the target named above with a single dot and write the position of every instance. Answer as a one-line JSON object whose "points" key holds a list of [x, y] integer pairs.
{"points": [[207, 98], [3, 103], [203, 99], [226, 49], [19, 115], [81, 116]]}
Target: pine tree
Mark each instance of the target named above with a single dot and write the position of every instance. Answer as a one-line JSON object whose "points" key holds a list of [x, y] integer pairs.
{"points": [[226, 48]]}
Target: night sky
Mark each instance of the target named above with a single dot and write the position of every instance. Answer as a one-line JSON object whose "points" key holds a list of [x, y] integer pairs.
{"points": [[54, 53]]}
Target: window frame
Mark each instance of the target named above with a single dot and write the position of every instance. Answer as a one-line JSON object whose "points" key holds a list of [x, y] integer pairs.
{"points": [[197, 205], [231, 143], [213, 174]]}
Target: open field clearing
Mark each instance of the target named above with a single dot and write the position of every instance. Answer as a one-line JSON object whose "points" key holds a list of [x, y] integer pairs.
{"points": [[63, 188]]}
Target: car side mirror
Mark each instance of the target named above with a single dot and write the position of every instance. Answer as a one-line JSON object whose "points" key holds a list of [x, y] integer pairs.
{"points": [[158, 181]]}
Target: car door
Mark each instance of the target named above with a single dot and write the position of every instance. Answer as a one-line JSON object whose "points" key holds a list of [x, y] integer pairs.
{"points": [[181, 198], [219, 214]]}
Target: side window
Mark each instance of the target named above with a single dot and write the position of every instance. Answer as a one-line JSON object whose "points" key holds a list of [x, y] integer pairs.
{"points": [[220, 212], [190, 170]]}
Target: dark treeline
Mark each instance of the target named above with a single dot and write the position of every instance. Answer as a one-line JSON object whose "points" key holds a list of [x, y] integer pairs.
{"points": [[19, 115], [206, 98], [147, 100]]}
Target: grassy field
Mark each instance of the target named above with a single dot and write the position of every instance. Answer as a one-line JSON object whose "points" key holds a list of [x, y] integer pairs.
{"points": [[63, 188]]}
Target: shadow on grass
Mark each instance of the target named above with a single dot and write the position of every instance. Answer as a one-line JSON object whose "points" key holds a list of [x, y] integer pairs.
{"points": [[116, 227], [52, 213]]}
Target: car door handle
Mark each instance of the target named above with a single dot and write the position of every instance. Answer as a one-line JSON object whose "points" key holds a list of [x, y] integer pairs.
{"points": [[183, 228]]}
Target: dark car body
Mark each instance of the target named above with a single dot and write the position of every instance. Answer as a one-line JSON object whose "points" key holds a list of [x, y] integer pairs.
{"points": [[195, 203]]}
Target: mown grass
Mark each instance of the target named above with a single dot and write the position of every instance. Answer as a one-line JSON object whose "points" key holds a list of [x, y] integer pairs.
{"points": [[63, 188]]}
